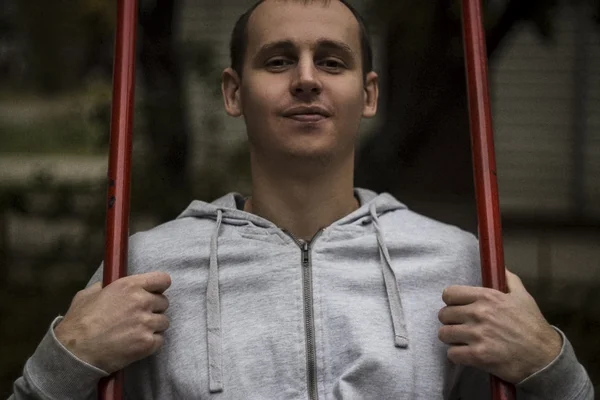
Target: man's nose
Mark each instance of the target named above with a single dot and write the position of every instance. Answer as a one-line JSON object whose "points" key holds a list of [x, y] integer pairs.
{"points": [[306, 81]]}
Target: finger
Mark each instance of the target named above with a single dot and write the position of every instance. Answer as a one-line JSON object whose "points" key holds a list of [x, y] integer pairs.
{"points": [[159, 303], [460, 354], [456, 334], [462, 295], [91, 290], [158, 342], [158, 323], [477, 355], [95, 288], [154, 282], [514, 283], [452, 315]]}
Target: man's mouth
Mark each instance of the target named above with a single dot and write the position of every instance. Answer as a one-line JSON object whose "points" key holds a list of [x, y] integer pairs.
{"points": [[307, 113], [307, 117]]}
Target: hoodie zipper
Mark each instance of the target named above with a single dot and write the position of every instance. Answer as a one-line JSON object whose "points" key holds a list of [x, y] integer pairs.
{"points": [[309, 323]]}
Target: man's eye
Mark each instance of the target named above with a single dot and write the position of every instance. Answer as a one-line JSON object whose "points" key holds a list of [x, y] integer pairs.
{"points": [[278, 63], [332, 64]]}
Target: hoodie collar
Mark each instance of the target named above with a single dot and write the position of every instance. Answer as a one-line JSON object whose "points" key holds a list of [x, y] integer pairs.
{"points": [[233, 214]]}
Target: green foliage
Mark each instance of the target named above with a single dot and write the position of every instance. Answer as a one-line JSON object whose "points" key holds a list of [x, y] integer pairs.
{"points": [[62, 40], [77, 123], [50, 135]]}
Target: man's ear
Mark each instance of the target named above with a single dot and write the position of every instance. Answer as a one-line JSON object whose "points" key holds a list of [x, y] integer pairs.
{"points": [[230, 87], [371, 95]]}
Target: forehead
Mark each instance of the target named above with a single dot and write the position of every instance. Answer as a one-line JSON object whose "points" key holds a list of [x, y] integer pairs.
{"points": [[302, 22]]}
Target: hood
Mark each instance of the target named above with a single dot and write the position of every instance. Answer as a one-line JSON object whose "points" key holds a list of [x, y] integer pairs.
{"points": [[231, 206]]}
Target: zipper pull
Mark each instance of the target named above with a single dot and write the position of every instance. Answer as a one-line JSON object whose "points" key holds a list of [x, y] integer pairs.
{"points": [[305, 254]]}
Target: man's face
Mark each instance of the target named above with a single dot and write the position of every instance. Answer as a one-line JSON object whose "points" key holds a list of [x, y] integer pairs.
{"points": [[302, 93]]}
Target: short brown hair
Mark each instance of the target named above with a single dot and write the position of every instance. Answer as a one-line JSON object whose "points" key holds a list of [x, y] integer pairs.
{"points": [[239, 39]]}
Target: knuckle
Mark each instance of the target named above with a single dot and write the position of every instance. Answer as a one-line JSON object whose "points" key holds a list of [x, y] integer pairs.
{"points": [[486, 332], [472, 313], [480, 354], [145, 342], [483, 312], [125, 284], [79, 296], [492, 295], [141, 279], [145, 320], [478, 333], [121, 282], [446, 295], [137, 298], [486, 295]]}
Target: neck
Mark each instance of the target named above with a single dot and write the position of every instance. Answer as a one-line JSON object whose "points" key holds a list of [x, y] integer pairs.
{"points": [[305, 202]]}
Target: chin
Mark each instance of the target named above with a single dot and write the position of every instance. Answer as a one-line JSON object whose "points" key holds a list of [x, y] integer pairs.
{"points": [[311, 156], [322, 148], [315, 156], [310, 147]]}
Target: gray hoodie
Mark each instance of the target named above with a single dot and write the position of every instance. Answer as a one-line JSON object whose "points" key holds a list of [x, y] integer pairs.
{"points": [[258, 314]]}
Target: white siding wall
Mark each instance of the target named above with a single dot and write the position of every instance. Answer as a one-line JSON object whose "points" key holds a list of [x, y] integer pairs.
{"points": [[533, 91], [592, 148]]}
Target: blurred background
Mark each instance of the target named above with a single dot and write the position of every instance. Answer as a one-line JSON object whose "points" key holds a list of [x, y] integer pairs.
{"points": [[55, 93]]}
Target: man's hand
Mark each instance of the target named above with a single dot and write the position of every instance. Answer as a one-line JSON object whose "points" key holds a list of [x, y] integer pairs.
{"points": [[503, 334], [114, 326]]}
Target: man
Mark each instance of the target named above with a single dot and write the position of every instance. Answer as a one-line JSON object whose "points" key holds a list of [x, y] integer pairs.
{"points": [[309, 288]]}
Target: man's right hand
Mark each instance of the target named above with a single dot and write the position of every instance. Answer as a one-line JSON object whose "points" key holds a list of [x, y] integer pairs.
{"points": [[114, 326]]}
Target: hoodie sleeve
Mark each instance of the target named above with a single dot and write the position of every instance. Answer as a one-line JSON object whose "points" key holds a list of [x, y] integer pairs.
{"points": [[563, 379], [54, 373]]}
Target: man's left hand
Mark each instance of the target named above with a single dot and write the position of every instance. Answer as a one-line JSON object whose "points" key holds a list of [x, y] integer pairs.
{"points": [[504, 334]]}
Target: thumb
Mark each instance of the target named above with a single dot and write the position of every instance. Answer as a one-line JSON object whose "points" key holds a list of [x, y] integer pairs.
{"points": [[94, 289], [514, 283]]}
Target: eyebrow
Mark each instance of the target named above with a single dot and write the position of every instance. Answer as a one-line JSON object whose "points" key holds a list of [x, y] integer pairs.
{"points": [[288, 45]]}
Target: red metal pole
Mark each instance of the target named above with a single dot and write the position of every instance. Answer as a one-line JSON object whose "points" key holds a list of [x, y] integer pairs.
{"points": [[484, 165], [119, 165]]}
